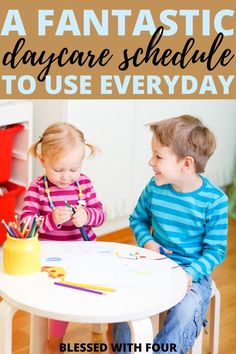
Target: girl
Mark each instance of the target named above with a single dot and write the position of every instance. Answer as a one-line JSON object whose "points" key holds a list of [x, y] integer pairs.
{"points": [[63, 185]]}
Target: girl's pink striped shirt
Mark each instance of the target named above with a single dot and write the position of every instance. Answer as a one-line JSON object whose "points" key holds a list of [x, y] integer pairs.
{"points": [[36, 202]]}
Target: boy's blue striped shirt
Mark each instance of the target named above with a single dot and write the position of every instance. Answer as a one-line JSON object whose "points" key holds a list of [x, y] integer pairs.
{"points": [[191, 225]]}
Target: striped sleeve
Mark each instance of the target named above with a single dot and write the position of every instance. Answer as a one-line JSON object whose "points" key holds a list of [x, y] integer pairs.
{"points": [[215, 239], [140, 220], [96, 214], [32, 207]]}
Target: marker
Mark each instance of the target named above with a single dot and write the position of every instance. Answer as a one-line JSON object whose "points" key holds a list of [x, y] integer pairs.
{"points": [[162, 251]]}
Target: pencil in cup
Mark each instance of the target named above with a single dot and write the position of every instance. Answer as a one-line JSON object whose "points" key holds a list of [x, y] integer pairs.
{"points": [[8, 228], [17, 220], [25, 227], [21, 256], [32, 231], [15, 230]]}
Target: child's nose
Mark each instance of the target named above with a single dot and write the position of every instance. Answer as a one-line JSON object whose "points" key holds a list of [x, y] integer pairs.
{"points": [[150, 162], [65, 176]]}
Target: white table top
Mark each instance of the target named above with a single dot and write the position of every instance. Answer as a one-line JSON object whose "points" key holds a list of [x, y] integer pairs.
{"points": [[143, 287]]}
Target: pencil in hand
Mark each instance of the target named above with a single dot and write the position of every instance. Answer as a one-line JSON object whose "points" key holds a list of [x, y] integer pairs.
{"points": [[82, 230]]}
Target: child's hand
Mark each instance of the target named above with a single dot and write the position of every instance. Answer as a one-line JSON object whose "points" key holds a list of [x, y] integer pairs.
{"points": [[80, 217], [154, 246], [61, 214], [190, 281]]}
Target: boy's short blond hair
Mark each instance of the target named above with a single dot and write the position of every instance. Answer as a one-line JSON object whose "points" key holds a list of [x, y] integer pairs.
{"points": [[187, 136]]}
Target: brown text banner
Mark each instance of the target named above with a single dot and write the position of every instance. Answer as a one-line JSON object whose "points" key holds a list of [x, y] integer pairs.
{"points": [[117, 49]]}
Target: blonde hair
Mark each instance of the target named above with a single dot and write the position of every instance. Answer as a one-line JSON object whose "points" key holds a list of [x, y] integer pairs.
{"points": [[187, 136], [58, 139]]}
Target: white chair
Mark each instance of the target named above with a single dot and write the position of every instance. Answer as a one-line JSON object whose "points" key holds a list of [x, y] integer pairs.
{"points": [[214, 329], [157, 322]]}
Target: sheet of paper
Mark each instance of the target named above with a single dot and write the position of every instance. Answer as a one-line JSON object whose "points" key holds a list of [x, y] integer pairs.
{"points": [[109, 265]]}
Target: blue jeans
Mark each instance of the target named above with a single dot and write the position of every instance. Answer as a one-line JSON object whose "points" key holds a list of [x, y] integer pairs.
{"points": [[182, 324]]}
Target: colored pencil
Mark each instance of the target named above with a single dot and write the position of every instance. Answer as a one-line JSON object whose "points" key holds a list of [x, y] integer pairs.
{"points": [[33, 228], [17, 221], [82, 230], [16, 231], [89, 286], [23, 231], [10, 232], [80, 288], [39, 224], [67, 204], [84, 234], [22, 225], [26, 225], [70, 206]]}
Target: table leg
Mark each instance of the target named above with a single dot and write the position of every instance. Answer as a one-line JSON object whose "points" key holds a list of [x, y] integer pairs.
{"points": [[38, 334], [6, 314], [99, 328], [141, 335]]}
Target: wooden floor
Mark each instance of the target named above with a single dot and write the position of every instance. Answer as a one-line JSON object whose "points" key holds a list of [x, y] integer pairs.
{"points": [[225, 277]]}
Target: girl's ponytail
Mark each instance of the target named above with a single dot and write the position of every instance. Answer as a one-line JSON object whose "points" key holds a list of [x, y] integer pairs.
{"points": [[33, 149], [93, 149]]}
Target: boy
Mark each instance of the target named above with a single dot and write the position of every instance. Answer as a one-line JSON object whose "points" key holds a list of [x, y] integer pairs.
{"points": [[188, 218]]}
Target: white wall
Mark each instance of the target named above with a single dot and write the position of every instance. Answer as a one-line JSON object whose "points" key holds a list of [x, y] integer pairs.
{"points": [[118, 128], [220, 116], [45, 112], [109, 126]]}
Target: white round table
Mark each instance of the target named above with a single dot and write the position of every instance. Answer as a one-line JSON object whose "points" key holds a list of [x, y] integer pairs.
{"points": [[145, 283]]}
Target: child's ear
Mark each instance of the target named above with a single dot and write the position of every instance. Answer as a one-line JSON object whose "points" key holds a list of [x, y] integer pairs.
{"points": [[188, 162], [41, 160]]}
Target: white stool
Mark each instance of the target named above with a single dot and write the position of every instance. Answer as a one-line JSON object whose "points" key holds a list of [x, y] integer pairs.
{"points": [[158, 320], [214, 325]]}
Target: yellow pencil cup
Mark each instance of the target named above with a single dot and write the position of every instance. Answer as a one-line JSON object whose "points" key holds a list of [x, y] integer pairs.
{"points": [[21, 256]]}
